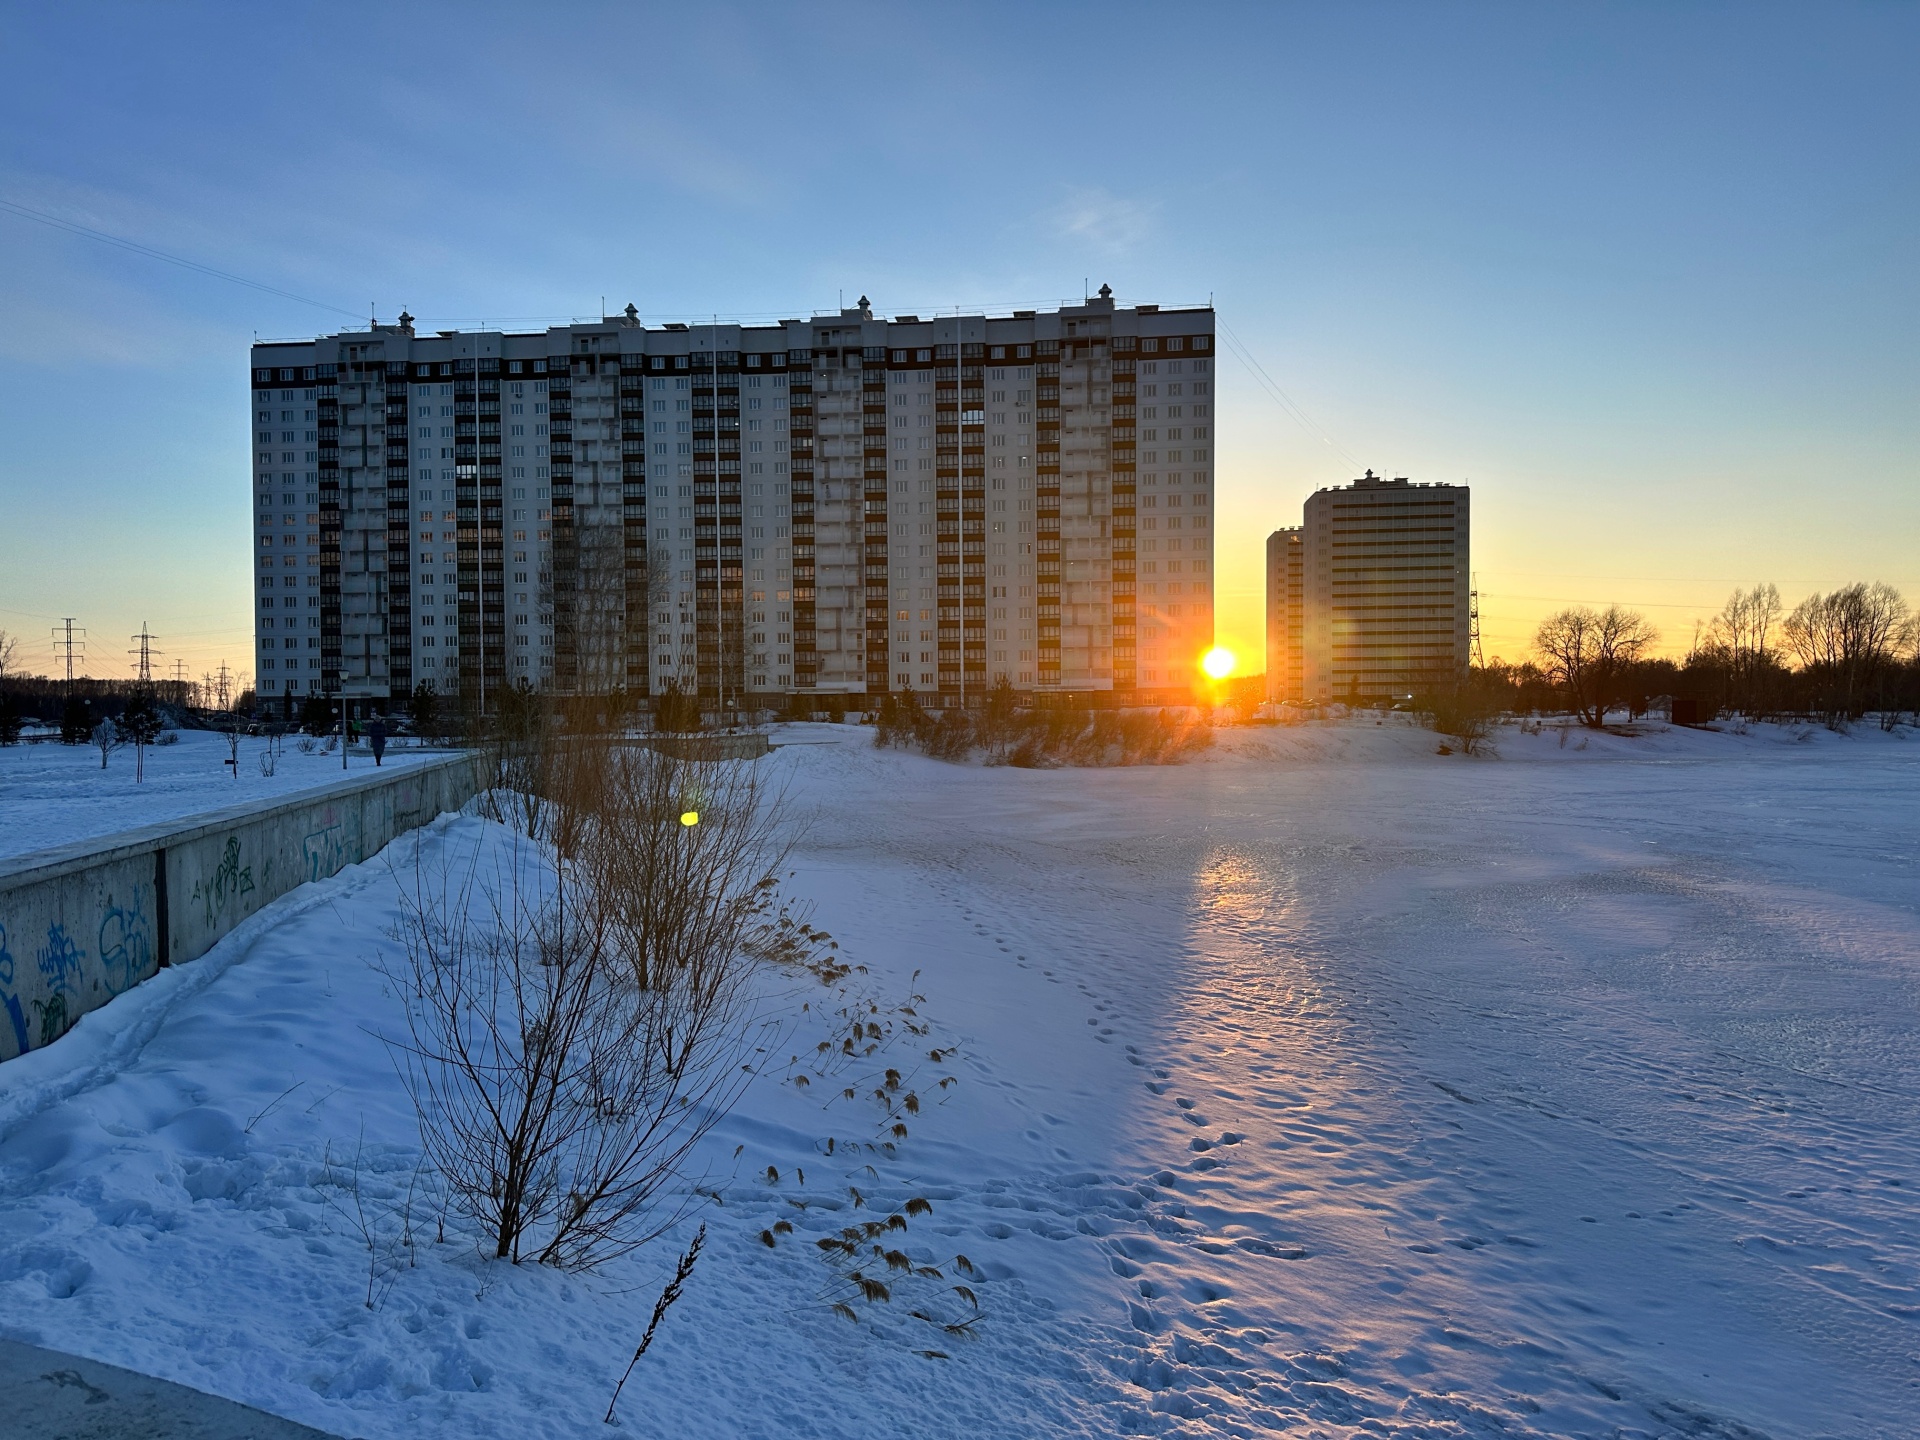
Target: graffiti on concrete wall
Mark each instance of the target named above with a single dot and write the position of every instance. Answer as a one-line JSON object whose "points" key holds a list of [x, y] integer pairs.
{"points": [[329, 849], [228, 882], [126, 945], [15, 1015], [48, 980], [59, 960]]}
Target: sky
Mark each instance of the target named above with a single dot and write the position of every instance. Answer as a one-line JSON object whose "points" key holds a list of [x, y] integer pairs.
{"points": [[1642, 275]]}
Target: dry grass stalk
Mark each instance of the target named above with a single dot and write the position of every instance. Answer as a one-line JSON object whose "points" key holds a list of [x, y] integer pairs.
{"points": [[668, 1296]]}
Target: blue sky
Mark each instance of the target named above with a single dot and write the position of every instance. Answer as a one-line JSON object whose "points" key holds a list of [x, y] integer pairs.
{"points": [[1643, 274]]}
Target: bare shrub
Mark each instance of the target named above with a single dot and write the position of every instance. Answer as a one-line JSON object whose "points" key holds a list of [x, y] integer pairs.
{"points": [[1044, 737], [381, 1214], [899, 722], [677, 711], [951, 737], [571, 1042], [1466, 713]]}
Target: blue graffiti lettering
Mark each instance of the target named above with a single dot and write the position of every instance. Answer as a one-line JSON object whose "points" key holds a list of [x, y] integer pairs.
{"points": [[14, 1013], [126, 946], [59, 963]]}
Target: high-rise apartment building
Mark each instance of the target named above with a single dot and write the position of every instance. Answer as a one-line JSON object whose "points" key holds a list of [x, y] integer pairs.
{"points": [[1286, 582], [845, 505], [1370, 592]]}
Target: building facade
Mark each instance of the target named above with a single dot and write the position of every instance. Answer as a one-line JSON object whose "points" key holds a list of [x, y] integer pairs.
{"points": [[1286, 582], [846, 505], [1381, 573]]}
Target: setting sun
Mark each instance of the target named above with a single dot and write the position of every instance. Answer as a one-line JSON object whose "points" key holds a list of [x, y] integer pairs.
{"points": [[1218, 662]]}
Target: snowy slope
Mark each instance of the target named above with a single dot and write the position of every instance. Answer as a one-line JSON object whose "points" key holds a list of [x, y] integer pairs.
{"points": [[57, 794], [1326, 1086]]}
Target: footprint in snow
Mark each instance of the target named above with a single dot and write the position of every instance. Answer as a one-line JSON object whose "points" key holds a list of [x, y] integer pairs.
{"points": [[1267, 1247]]}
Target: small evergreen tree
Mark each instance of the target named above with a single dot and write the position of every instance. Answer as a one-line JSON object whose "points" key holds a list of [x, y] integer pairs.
{"points": [[423, 708], [10, 720], [316, 715], [76, 721], [677, 711], [139, 725]]}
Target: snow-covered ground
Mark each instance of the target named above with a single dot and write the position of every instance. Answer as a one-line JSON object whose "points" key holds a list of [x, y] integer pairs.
{"points": [[52, 794], [1324, 1087]]}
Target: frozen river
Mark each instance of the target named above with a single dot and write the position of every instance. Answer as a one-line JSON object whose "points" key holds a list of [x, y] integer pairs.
{"points": [[1325, 1087], [1560, 1092]]}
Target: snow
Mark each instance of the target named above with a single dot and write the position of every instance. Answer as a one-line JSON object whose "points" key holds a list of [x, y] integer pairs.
{"points": [[52, 794], [1327, 1086]]}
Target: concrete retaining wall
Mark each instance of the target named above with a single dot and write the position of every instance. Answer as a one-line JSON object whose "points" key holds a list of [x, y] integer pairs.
{"points": [[85, 922], [749, 746]]}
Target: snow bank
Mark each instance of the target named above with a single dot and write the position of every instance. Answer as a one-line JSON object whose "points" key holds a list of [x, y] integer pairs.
{"points": [[53, 794], [1327, 1086]]}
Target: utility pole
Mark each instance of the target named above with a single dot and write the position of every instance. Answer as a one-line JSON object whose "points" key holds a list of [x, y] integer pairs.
{"points": [[144, 655], [223, 686], [63, 642]]}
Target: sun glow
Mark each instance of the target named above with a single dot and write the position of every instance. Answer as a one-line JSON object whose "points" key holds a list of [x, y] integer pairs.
{"points": [[1218, 662]]}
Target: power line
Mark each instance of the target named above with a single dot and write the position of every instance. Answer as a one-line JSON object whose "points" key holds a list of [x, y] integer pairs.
{"points": [[63, 642], [145, 653], [72, 227], [1473, 622], [1286, 401]]}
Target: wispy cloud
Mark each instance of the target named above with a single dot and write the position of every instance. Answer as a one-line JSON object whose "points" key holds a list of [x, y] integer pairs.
{"points": [[1097, 217]]}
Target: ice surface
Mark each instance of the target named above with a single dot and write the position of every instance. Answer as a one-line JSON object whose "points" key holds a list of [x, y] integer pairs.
{"points": [[1328, 1086], [54, 794]]}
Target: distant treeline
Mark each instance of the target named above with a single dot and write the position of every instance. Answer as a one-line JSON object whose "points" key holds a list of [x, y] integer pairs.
{"points": [[1835, 658]]}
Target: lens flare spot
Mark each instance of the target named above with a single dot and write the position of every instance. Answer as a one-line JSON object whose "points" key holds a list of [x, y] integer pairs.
{"points": [[1218, 662], [690, 817]]}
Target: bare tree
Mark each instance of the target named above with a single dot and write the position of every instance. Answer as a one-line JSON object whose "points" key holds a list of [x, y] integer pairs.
{"points": [[1589, 654], [590, 594], [1742, 637], [232, 727], [107, 738], [569, 1047], [8, 645], [1847, 640]]}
